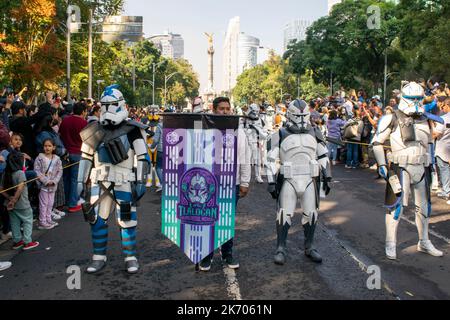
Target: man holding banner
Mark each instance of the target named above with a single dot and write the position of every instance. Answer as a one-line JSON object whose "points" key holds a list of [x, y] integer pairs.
{"points": [[206, 168]]}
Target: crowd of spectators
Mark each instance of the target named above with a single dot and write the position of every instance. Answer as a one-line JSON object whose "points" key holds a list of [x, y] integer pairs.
{"points": [[36, 143], [352, 118], [42, 144]]}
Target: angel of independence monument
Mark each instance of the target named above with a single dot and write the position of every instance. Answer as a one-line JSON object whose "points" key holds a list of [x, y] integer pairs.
{"points": [[210, 94]]}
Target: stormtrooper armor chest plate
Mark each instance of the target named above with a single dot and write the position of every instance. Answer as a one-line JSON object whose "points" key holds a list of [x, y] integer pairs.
{"points": [[411, 149], [298, 153], [107, 172]]}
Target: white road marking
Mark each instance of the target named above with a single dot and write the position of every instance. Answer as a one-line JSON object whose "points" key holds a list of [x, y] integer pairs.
{"points": [[232, 283], [361, 264], [432, 232]]}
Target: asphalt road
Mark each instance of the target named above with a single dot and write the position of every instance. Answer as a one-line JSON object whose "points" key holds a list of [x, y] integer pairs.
{"points": [[350, 237]]}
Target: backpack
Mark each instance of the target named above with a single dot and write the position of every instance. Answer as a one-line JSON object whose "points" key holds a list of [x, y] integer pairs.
{"points": [[351, 130]]}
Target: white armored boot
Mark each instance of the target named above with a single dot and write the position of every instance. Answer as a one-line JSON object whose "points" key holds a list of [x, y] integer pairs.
{"points": [[391, 236], [427, 247], [98, 263], [425, 244], [131, 265]]}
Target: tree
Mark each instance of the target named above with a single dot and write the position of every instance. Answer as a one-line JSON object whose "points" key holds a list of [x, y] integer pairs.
{"points": [[184, 84], [341, 45], [265, 82], [32, 56], [425, 38], [310, 89]]}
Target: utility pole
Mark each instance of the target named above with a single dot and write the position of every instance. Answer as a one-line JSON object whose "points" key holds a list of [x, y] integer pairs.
{"points": [[166, 78], [385, 78], [134, 70], [69, 21], [90, 54], [153, 86], [154, 65], [72, 24]]}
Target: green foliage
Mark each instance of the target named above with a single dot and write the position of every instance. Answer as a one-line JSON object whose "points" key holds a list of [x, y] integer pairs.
{"points": [[310, 89], [425, 38], [265, 82], [415, 34], [342, 45], [45, 67]]}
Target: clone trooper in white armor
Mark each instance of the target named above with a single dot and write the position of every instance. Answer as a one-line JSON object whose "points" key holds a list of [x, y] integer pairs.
{"points": [[407, 167], [268, 120], [257, 135], [110, 150], [304, 164]]}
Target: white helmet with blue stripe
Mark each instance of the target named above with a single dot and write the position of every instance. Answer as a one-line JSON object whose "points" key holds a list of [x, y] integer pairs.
{"points": [[113, 111], [412, 95]]}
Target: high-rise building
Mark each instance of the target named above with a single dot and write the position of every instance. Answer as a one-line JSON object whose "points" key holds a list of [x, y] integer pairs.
{"points": [[170, 44], [122, 28], [295, 31], [240, 52], [248, 52], [231, 55]]}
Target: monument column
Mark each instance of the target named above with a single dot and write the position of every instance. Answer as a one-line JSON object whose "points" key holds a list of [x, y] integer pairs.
{"points": [[210, 93]]}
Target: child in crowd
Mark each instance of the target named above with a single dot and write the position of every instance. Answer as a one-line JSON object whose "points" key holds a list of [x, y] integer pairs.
{"points": [[49, 170], [16, 144], [17, 203]]}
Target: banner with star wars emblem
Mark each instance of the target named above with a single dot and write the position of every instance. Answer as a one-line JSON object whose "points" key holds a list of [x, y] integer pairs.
{"points": [[199, 181]]}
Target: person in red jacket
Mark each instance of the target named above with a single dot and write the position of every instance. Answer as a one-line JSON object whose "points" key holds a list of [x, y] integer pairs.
{"points": [[69, 131]]}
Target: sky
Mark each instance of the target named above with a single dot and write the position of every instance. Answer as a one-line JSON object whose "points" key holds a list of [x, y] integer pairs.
{"points": [[264, 19]]}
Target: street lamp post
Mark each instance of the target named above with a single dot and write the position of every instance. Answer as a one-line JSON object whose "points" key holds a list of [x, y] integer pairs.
{"points": [[166, 78], [150, 82], [72, 25], [385, 78], [134, 69], [155, 65], [90, 54], [128, 44], [69, 21]]}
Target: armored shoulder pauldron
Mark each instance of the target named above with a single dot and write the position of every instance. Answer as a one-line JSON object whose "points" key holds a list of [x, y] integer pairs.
{"points": [[93, 134]]}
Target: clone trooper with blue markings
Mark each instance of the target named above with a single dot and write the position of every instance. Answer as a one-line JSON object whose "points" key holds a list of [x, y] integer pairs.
{"points": [[409, 131], [113, 174]]}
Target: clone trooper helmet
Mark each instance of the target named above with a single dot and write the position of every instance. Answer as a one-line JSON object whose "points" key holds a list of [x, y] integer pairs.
{"points": [[270, 111], [113, 110], [298, 116], [411, 99], [153, 113], [253, 112], [197, 105]]}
